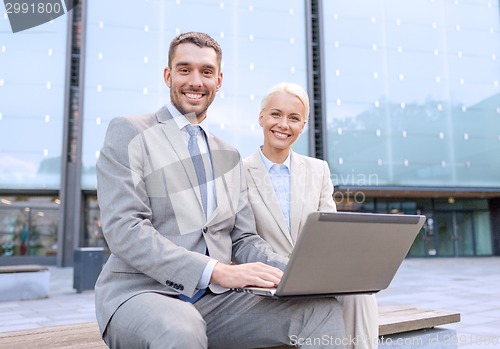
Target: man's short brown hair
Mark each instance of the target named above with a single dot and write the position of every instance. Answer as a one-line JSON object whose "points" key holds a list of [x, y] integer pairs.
{"points": [[197, 38]]}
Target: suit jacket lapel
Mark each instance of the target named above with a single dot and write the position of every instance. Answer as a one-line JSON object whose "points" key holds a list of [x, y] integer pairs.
{"points": [[218, 176], [265, 187], [226, 163], [297, 189]]}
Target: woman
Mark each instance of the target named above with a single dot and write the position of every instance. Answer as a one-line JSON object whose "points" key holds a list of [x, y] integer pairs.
{"points": [[284, 187]]}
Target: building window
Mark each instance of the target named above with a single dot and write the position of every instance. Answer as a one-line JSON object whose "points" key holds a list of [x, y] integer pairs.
{"points": [[92, 232], [32, 89], [255, 57], [28, 225], [413, 91]]}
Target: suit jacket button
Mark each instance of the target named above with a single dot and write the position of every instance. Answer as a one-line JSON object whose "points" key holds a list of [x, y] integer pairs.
{"points": [[181, 287], [205, 229]]}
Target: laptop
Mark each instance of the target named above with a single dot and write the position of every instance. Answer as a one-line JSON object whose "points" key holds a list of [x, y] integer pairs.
{"points": [[345, 253]]}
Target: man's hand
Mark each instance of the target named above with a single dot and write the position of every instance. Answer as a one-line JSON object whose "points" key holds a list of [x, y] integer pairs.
{"points": [[248, 274]]}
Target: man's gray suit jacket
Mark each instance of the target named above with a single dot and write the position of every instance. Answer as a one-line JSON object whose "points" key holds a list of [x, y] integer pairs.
{"points": [[152, 217]]}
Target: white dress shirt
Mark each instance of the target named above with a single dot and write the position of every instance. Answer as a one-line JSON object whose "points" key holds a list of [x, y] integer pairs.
{"points": [[181, 122]]}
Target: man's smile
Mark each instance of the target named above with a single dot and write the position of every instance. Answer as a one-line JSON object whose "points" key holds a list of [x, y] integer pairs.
{"points": [[194, 95]]}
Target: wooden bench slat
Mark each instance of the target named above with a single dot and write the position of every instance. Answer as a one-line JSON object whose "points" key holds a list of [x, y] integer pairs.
{"points": [[84, 335], [398, 320], [392, 320], [4, 269]]}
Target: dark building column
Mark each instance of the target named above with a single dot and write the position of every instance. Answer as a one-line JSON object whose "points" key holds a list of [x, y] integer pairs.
{"points": [[495, 224], [70, 218], [316, 85]]}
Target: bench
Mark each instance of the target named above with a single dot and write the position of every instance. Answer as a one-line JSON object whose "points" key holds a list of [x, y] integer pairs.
{"points": [[392, 320], [21, 282]]}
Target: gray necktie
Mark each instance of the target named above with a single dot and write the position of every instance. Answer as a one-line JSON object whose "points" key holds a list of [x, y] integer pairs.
{"points": [[199, 168], [197, 159]]}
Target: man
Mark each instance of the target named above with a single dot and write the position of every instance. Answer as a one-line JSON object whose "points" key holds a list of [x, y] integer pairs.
{"points": [[175, 217]]}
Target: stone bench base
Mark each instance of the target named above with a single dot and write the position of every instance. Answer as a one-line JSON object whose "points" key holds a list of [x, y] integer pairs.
{"points": [[22, 282]]}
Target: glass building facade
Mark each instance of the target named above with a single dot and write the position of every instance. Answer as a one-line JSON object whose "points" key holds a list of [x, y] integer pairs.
{"points": [[410, 120], [413, 95], [32, 88], [255, 57]]}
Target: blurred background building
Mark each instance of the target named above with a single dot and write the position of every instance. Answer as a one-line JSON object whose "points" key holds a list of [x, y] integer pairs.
{"points": [[406, 107]]}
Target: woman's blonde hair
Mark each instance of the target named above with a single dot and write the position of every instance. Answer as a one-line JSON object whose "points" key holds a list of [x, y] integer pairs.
{"points": [[291, 88]]}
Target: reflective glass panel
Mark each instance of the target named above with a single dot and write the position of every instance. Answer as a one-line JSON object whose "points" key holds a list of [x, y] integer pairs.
{"points": [[92, 233], [484, 242], [28, 226], [263, 43], [32, 85], [412, 91]]}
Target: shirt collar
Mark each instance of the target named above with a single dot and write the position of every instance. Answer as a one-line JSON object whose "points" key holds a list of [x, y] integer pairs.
{"points": [[181, 120], [268, 163]]}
